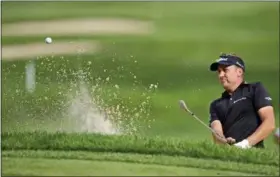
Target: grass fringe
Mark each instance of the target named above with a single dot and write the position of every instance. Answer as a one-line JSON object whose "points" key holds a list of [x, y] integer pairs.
{"points": [[179, 161], [135, 144]]}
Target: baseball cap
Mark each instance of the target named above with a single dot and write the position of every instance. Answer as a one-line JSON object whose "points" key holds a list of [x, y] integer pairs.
{"points": [[228, 60]]}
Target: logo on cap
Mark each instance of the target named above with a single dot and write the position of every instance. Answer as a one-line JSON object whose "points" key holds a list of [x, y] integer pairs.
{"points": [[221, 59], [239, 64]]}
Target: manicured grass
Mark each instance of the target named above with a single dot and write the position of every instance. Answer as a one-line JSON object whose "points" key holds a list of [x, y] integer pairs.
{"points": [[47, 167], [85, 163], [135, 144], [188, 37]]}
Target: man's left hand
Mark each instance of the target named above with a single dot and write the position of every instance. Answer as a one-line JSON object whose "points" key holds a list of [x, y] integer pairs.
{"points": [[244, 144]]}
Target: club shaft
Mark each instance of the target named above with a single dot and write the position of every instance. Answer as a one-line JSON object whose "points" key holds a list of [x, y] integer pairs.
{"points": [[184, 106], [212, 130]]}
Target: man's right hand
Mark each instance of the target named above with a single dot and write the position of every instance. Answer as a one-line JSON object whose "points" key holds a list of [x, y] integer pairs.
{"points": [[230, 140], [219, 138]]}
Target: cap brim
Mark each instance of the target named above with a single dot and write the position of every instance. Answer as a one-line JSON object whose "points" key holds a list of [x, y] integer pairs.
{"points": [[214, 66]]}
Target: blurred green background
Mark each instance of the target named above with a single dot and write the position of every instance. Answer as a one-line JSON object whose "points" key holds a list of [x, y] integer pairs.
{"points": [[188, 37]]}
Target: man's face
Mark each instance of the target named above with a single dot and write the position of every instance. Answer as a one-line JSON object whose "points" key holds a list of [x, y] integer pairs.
{"points": [[228, 75]]}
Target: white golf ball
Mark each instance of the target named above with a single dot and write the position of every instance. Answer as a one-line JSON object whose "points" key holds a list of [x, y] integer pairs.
{"points": [[48, 40]]}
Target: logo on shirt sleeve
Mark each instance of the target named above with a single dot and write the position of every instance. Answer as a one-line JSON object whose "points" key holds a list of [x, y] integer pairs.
{"points": [[268, 98]]}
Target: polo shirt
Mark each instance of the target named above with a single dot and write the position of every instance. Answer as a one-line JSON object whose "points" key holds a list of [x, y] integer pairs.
{"points": [[238, 112]]}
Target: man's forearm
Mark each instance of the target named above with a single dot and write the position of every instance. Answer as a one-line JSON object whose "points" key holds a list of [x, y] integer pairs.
{"points": [[218, 140], [217, 127], [262, 132]]}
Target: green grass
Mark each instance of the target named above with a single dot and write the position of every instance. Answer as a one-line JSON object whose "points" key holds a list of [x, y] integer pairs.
{"points": [[188, 37], [134, 144], [47, 167], [134, 164], [134, 149]]}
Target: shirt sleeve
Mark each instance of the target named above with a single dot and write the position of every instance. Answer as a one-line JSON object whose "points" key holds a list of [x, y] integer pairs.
{"points": [[213, 113], [261, 97]]}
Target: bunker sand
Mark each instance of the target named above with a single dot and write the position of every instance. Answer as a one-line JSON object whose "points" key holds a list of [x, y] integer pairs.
{"points": [[68, 27], [15, 52]]}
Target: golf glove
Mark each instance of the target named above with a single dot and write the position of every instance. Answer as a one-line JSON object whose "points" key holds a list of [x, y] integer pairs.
{"points": [[244, 144]]}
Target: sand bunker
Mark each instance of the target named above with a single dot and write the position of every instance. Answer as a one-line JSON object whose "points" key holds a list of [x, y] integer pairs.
{"points": [[78, 27], [14, 52], [85, 117]]}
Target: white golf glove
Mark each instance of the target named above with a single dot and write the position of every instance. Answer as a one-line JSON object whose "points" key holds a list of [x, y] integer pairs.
{"points": [[244, 144]]}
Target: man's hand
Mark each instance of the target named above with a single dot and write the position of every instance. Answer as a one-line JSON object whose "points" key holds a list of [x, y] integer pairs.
{"points": [[219, 138], [224, 140], [230, 140], [244, 144]]}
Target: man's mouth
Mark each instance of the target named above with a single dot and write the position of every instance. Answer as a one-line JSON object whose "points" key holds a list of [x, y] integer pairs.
{"points": [[223, 80]]}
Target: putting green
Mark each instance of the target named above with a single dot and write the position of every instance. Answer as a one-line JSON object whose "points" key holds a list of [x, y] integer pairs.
{"points": [[46, 167]]}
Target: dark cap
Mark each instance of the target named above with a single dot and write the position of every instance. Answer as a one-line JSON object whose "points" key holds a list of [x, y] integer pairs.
{"points": [[228, 60]]}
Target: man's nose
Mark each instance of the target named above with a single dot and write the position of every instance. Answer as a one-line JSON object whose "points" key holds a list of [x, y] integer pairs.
{"points": [[221, 74]]}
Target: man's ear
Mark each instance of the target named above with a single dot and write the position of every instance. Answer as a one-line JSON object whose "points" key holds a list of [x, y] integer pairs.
{"points": [[240, 72]]}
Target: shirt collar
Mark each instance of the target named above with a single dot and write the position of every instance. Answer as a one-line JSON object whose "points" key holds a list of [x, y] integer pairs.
{"points": [[226, 94]]}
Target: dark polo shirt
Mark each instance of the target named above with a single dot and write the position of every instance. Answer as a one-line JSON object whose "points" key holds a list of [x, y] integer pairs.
{"points": [[238, 112]]}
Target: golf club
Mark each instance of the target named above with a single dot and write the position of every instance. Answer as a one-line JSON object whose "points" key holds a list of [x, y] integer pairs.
{"points": [[184, 107]]}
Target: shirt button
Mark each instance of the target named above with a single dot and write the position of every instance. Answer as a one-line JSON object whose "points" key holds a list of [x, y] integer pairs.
{"points": [[230, 98]]}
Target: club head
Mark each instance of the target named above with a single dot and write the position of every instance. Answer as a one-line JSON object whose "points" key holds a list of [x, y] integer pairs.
{"points": [[182, 104]]}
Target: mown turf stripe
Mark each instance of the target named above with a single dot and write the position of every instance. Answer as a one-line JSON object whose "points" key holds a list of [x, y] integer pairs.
{"points": [[148, 159], [135, 144], [62, 167]]}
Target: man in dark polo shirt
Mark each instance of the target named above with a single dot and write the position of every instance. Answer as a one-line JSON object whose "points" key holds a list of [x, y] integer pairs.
{"points": [[244, 114]]}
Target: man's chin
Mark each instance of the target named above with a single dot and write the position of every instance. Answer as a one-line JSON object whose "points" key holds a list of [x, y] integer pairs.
{"points": [[225, 85]]}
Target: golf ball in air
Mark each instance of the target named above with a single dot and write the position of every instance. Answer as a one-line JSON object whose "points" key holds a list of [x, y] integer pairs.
{"points": [[48, 40]]}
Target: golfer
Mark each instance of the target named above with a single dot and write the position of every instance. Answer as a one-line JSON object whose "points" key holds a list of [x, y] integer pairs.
{"points": [[244, 113]]}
